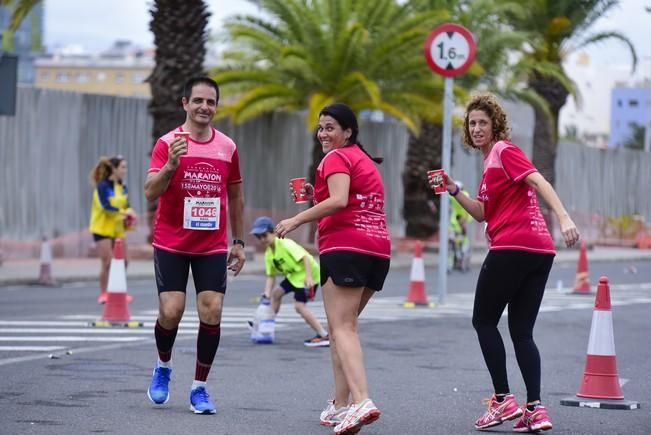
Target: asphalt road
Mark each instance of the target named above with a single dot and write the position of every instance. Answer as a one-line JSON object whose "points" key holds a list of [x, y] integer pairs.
{"points": [[424, 365]]}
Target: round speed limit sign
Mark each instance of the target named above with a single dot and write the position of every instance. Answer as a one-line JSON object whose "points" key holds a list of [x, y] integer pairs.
{"points": [[450, 49]]}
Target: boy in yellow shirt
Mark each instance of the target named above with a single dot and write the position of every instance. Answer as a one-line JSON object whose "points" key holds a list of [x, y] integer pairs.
{"points": [[288, 258]]}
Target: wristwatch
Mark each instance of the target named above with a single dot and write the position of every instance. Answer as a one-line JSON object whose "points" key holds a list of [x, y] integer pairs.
{"points": [[238, 242]]}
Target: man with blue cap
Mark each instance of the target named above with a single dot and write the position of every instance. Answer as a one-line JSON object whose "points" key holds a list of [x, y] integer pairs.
{"points": [[288, 258]]}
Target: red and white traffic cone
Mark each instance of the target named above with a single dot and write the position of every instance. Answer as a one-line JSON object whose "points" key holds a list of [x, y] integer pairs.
{"points": [[116, 308], [582, 280], [45, 273], [416, 294], [600, 379]]}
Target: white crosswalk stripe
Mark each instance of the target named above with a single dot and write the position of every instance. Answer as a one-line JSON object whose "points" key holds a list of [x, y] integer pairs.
{"points": [[23, 336]]}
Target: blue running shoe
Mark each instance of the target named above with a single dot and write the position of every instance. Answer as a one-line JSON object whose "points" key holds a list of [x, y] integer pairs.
{"points": [[200, 402], [158, 391]]}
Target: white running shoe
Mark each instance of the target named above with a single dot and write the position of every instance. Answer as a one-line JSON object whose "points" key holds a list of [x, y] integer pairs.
{"points": [[332, 416], [358, 415]]}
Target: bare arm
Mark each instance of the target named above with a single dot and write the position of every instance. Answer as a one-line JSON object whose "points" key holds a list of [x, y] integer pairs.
{"points": [[157, 182], [269, 286], [542, 187], [338, 186], [309, 282], [236, 257], [472, 206]]}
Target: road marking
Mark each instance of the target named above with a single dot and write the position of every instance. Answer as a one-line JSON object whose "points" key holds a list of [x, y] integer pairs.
{"points": [[33, 336]]}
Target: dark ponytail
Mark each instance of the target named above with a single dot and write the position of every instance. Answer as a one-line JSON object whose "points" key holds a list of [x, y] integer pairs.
{"points": [[377, 160]]}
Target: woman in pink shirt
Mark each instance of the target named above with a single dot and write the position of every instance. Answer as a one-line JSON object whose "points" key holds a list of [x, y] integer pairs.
{"points": [[354, 252], [521, 253]]}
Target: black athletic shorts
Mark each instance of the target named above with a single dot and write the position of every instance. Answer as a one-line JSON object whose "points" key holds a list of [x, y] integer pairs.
{"points": [[97, 237], [208, 271], [301, 294], [351, 269]]}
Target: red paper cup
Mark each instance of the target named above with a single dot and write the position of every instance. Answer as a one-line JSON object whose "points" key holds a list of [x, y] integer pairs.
{"points": [[438, 176], [185, 134], [298, 184], [129, 222]]}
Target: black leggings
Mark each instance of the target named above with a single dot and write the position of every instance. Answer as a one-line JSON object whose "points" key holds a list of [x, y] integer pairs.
{"points": [[516, 278]]}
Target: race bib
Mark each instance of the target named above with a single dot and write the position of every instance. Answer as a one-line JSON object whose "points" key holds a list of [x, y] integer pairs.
{"points": [[201, 213]]}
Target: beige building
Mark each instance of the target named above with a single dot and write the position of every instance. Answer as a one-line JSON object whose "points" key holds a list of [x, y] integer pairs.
{"points": [[119, 75]]}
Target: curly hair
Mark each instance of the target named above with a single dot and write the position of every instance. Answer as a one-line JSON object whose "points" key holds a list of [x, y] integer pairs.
{"points": [[487, 103], [104, 168]]}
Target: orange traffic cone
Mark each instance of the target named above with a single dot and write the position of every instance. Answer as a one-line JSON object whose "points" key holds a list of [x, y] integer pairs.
{"points": [[600, 378], [582, 280], [45, 273], [116, 310], [416, 294]]}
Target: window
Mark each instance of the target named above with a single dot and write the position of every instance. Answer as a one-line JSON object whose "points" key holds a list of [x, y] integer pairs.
{"points": [[82, 77], [138, 78], [101, 77], [619, 103], [633, 103], [63, 77], [45, 76], [119, 78]]}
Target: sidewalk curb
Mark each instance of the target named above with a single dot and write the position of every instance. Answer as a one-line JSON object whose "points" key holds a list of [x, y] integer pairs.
{"points": [[399, 262]]}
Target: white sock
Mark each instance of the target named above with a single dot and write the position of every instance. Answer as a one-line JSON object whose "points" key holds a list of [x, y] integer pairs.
{"points": [[196, 384], [167, 365], [322, 333]]}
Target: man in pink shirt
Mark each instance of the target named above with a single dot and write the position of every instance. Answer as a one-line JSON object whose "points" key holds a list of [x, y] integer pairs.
{"points": [[194, 172]]}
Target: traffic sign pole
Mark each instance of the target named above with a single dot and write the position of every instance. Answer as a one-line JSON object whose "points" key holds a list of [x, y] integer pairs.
{"points": [[444, 215], [449, 50]]}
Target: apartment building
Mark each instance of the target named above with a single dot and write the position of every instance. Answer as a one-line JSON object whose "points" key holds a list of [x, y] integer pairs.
{"points": [[120, 70]]}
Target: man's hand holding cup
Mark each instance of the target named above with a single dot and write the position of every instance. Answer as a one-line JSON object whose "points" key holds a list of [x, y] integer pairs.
{"points": [[177, 148]]}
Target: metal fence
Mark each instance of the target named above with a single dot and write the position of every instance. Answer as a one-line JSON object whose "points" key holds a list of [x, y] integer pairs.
{"points": [[48, 149]]}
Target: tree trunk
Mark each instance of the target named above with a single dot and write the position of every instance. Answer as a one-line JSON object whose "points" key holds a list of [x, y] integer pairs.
{"points": [[421, 204], [545, 134], [179, 28]]}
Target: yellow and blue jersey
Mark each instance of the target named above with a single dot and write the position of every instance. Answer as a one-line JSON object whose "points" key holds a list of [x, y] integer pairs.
{"points": [[110, 201]]}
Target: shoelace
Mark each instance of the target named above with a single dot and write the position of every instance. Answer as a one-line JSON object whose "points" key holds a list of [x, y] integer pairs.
{"points": [[162, 378], [488, 402], [350, 415], [201, 395]]}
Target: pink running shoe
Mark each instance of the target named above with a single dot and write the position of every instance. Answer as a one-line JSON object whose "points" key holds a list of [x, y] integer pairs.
{"points": [[498, 412], [358, 415], [332, 416], [533, 421]]}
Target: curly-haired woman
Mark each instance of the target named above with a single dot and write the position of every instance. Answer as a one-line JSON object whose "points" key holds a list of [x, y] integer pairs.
{"points": [[521, 253]]}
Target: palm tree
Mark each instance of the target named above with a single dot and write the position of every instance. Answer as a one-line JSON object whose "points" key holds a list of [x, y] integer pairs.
{"points": [[312, 53], [556, 28], [20, 9], [366, 53], [635, 140], [179, 28]]}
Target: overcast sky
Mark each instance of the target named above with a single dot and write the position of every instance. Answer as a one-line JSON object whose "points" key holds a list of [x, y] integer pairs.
{"points": [[95, 24]]}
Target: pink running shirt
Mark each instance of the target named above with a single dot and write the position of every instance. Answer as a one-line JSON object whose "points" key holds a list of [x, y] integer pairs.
{"points": [[204, 172], [361, 226], [510, 205]]}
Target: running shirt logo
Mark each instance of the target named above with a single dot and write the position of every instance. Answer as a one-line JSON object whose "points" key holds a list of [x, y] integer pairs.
{"points": [[201, 179]]}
